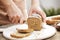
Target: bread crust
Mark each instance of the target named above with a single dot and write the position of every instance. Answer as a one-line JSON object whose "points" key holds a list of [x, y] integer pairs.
{"points": [[19, 35], [25, 30]]}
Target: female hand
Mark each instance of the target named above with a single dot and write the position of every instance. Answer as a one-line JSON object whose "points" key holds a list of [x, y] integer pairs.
{"points": [[37, 9], [15, 15]]}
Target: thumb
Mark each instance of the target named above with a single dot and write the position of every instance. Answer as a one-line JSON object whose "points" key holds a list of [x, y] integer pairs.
{"points": [[30, 12]]}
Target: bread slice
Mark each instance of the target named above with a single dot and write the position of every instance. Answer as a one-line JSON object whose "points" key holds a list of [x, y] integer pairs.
{"points": [[19, 35], [25, 30], [34, 23]]}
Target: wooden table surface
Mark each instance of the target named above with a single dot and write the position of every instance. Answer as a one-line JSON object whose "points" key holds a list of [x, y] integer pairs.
{"points": [[55, 37]]}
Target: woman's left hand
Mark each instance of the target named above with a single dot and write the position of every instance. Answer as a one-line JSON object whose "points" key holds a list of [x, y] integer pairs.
{"points": [[37, 9]]}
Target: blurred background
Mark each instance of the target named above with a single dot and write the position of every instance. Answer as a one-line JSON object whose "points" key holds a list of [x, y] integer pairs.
{"points": [[50, 7]]}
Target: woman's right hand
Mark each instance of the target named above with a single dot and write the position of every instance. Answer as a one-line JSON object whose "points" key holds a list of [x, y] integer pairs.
{"points": [[15, 15]]}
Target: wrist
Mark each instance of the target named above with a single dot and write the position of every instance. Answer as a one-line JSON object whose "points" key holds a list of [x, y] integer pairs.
{"points": [[22, 4], [35, 3], [24, 12]]}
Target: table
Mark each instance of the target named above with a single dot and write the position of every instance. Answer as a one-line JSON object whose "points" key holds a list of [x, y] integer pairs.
{"points": [[55, 37]]}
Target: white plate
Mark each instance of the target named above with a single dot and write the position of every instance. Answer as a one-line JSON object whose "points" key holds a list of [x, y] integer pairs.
{"points": [[46, 32]]}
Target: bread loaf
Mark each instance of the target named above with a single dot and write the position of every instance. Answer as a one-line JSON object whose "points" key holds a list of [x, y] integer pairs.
{"points": [[35, 22]]}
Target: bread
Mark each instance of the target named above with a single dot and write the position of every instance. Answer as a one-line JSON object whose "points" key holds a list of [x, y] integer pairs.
{"points": [[35, 23], [19, 35], [53, 20], [56, 18], [25, 30]]}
